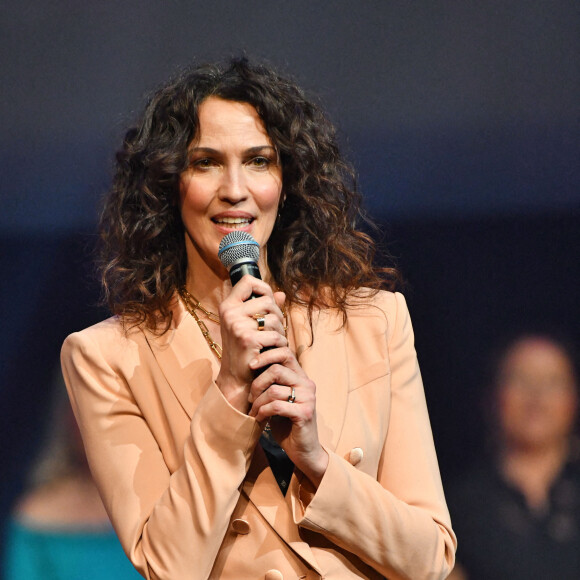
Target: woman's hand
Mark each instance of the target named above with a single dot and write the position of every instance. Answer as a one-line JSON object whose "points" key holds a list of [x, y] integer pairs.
{"points": [[285, 396], [241, 339]]}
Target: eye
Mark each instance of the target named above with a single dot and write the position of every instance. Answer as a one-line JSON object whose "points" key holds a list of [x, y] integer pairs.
{"points": [[260, 162], [203, 163]]}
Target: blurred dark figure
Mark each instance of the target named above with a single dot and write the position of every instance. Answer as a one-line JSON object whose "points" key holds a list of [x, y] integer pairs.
{"points": [[518, 513], [59, 529]]}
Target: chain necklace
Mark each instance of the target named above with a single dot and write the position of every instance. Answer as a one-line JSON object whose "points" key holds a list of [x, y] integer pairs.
{"points": [[192, 304], [197, 305]]}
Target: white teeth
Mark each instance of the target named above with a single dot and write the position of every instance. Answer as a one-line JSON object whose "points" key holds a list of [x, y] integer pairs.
{"points": [[233, 221]]}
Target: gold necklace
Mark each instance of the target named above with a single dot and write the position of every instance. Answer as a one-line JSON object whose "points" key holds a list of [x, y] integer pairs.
{"points": [[192, 304], [197, 305]]}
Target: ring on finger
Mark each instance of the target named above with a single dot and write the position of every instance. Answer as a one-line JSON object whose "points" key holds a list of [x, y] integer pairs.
{"points": [[261, 320], [292, 397]]}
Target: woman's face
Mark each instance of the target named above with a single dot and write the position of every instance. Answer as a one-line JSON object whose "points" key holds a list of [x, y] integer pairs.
{"points": [[234, 181], [536, 395]]}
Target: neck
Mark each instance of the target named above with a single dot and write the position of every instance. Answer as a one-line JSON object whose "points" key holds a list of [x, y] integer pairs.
{"points": [[210, 283], [210, 290], [532, 469], [555, 449]]}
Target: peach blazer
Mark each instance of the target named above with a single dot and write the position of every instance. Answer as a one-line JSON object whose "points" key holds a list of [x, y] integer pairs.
{"points": [[190, 492]]}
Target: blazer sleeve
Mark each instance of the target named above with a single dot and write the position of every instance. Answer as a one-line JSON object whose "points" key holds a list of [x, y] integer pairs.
{"points": [[398, 523], [171, 525]]}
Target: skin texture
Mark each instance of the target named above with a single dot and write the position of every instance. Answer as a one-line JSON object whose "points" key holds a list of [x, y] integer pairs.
{"points": [[235, 175]]}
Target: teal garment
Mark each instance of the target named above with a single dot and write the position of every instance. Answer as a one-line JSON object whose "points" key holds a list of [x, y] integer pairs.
{"points": [[33, 554]]}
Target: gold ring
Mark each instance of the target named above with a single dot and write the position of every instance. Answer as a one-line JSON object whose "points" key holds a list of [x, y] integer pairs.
{"points": [[261, 320], [292, 397]]}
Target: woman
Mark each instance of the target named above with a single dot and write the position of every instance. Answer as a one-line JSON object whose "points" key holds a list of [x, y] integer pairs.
{"points": [[174, 392], [59, 529], [525, 499]]}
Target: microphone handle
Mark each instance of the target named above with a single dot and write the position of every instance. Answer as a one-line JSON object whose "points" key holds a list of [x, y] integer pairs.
{"points": [[237, 272]]}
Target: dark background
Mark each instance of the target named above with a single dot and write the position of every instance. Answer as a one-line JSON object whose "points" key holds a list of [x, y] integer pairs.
{"points": [[462, 119]]}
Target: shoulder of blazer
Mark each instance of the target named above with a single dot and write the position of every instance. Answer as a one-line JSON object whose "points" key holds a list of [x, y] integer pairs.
{"points": [[107, 340], [383, 304], [110, 329]]}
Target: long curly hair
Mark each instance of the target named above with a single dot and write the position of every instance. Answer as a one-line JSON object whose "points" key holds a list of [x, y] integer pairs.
{"points": [[316, 253]]}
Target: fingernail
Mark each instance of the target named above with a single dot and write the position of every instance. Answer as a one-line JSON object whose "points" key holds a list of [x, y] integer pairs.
{"points": [[253, 362]]}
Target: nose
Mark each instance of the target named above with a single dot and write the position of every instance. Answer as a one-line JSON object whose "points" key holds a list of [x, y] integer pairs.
{"points": [[233, 187]]}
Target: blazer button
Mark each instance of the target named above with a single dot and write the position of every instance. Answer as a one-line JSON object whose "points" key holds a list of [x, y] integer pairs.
{"points": [[241, 527], [273, 575], [355, 456]]}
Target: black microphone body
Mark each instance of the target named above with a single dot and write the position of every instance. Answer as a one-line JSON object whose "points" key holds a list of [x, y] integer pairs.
{"points": [[239, 253], [240, 269]]}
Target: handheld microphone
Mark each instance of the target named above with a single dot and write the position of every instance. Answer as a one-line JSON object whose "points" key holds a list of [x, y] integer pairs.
{"points": [[239, 253]]}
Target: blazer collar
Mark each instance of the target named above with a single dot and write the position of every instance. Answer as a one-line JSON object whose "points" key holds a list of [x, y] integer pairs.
{"points": [[184, 357]]}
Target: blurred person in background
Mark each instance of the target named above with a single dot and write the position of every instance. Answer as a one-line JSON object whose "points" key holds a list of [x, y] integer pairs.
{"points": [[59, 529], [518, 512]]}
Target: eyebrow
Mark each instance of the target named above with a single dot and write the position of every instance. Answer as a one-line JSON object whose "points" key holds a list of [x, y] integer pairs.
{"points": [[250, 151]]}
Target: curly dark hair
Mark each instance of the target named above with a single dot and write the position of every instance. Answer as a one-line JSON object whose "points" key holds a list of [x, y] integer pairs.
{"points": [[316, 254]]}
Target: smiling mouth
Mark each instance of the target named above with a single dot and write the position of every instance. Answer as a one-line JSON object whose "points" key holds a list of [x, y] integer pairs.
{"points": [[233, 223]]}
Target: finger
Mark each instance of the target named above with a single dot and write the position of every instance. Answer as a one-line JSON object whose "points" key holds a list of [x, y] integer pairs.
{"points": [[241, 318], [277, 408], [268, 322], [264, 304], [281, 356], [249, 285], [268, 340], [274, 392], [281, 400], [275, 376]]}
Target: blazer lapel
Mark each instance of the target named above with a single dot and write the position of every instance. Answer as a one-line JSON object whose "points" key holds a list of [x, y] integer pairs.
{"points": [[261, 488], [326, 363], [184, 358]]}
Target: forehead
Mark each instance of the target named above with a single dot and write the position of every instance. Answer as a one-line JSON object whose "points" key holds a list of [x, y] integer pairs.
{"points": [[537, 356], [221, 119]]}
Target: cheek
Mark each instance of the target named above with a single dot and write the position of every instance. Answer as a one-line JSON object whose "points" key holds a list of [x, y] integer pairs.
{"points": [[512, 413], [192, 197], [269, 197], [184, 184], [267, 189], [507, 405], [564, 409]]}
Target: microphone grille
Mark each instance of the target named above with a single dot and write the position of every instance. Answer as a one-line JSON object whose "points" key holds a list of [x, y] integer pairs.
{"points": [[237, 245]]}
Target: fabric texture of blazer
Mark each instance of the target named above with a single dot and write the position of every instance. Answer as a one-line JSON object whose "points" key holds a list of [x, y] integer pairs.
{"points": [[189, 489]]}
